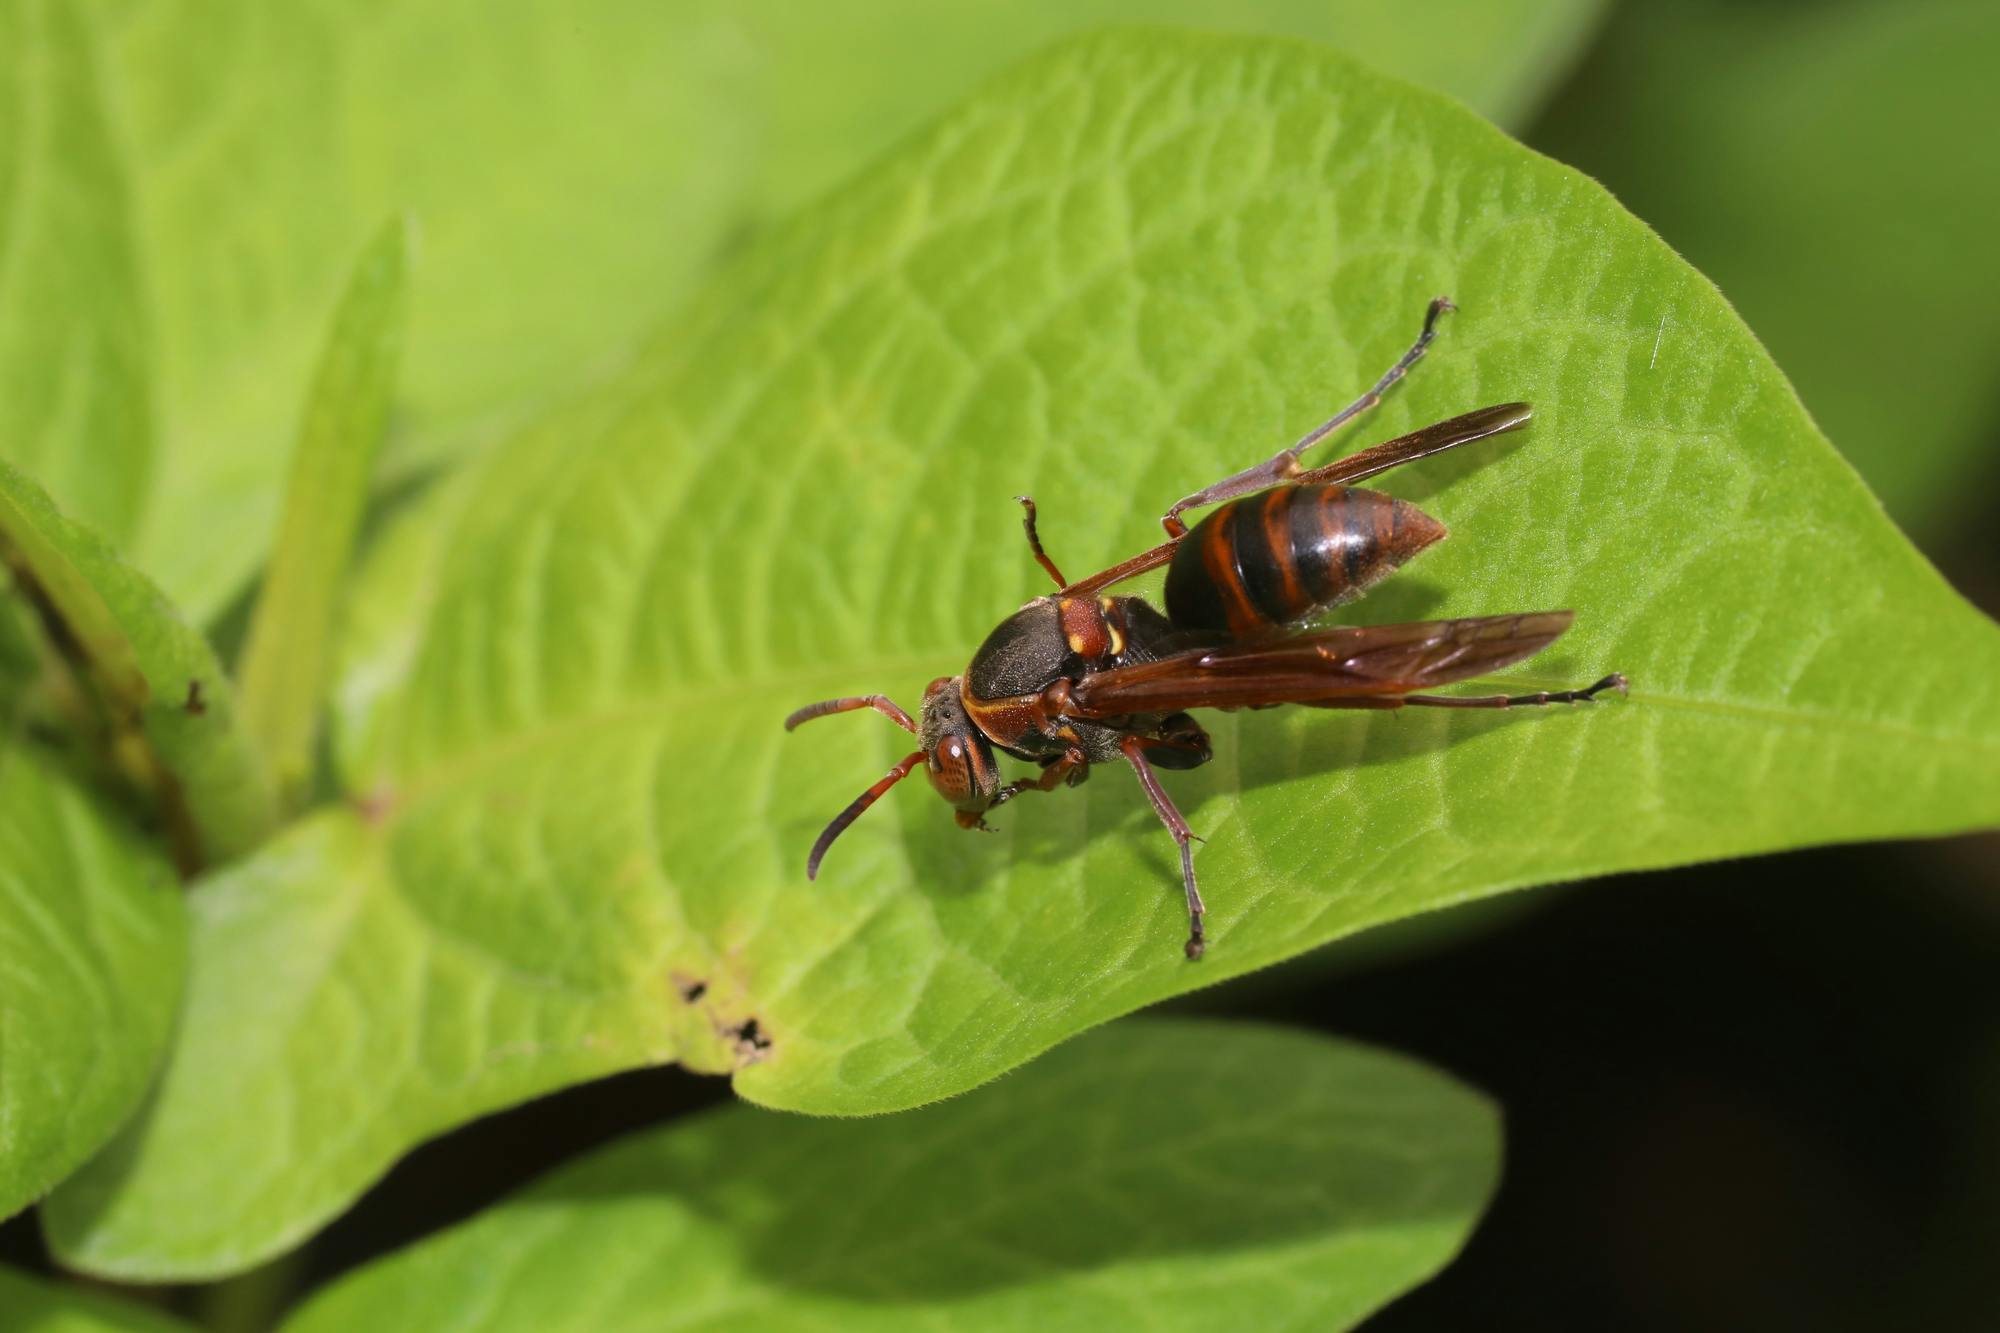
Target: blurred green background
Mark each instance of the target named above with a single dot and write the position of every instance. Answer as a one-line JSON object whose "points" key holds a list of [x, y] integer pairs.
{"points": [[1760, 1095]]}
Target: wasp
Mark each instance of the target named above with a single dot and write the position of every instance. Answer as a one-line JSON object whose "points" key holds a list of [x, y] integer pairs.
{"points": [[1082, 676]]}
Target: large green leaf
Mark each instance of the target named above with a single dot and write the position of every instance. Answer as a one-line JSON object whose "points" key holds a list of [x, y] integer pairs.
{"points": [[837, 84], [92, 951], [1129, 267], [33, 1306], [1156, 1175], [570, 177], [1813, 160], [562, 172], [75, 393], [161, 706]]}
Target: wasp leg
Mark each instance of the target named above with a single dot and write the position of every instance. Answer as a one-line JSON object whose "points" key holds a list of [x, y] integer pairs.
{"points": [[1286, 463], [1071, 768], [1181, 744], [1614, 681], [1035, 542], [1135, 748]]}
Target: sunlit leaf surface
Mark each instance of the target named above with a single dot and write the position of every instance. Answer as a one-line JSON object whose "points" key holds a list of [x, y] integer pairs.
{"points": [[576, 830]]}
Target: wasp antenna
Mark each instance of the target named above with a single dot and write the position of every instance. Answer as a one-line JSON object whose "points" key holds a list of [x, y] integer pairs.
{"points": [[879, 702], [861, 803]]}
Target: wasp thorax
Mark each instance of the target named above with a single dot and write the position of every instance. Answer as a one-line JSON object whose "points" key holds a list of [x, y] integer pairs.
{"points": [[958, 759]]}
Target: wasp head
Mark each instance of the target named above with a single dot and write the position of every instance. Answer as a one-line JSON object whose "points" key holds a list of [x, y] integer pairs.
{"points": [[958, 759]]}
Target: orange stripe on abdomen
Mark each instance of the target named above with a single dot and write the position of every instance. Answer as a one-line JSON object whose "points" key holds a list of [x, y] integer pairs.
{"points": [[1219, 557], [1265, 561]]}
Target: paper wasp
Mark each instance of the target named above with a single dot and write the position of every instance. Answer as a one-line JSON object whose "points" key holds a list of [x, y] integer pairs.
{"points": [[1080, 677]]}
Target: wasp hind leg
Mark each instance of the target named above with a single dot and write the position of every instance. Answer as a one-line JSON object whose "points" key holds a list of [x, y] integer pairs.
{"points": [[1285, 463], [1181, 744], [1614, 681], [1135, 748]]}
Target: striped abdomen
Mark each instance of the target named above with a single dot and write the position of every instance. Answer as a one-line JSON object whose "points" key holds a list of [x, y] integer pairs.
{"points": [[1259, 563]]}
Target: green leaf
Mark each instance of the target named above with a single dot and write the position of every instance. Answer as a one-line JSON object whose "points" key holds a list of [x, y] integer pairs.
{"points": [[1156, 1175], [164, 704], [286, 664], [571, 179], [1812, 159], [1133, 265], [562, 173], [838, 84], [328, 1025], [43, 1307], [75, 386], [92, 950]]}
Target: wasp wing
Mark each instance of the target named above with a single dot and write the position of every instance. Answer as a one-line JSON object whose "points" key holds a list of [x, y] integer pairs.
{"points": [[1478, 424], [1335, 668]]}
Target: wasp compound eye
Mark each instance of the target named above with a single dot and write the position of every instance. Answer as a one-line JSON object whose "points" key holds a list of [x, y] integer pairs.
{"points": [[951, 771]]}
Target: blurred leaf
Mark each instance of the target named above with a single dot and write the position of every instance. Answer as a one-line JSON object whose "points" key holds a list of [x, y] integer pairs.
{"points": [[287, 662], [75, 391], [1134, 264], [19, 657], [34, 1306], [1156, 1175], [564, 167], [165, 705], [831, 104], [1828, 166], [572, 174], [92, 950]]}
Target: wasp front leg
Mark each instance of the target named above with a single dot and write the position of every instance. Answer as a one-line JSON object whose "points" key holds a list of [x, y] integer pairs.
{"points": [[1068, 769]]}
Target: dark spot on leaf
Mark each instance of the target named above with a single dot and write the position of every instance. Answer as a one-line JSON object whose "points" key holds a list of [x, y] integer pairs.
{"points": [[195, 703], [691, 989], [752, 1046]]}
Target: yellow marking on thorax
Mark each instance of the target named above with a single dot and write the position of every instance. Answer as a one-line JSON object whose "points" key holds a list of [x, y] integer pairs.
{"points": [[1105, 605]]}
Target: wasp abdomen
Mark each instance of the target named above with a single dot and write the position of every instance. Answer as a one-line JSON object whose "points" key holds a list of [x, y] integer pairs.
{"points": [[1262, 562]]}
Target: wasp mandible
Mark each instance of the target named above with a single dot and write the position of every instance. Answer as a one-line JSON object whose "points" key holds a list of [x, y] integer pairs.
{"points": [[1080, 677]]}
